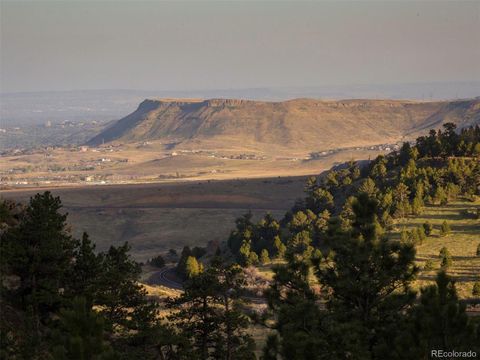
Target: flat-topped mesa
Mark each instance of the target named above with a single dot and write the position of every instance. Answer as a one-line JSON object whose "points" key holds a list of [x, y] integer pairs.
{"points": [[187, 101], [228, 102], [305, 124]]}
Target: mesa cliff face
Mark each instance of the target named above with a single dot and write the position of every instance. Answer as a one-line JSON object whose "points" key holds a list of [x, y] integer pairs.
{"points": [[299, 123]]}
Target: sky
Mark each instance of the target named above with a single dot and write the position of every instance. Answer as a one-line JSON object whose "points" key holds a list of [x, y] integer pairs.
{"points": [[72, 45]]}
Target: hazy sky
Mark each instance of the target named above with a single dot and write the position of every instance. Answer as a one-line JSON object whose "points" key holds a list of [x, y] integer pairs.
{"points": [[67, 45]]}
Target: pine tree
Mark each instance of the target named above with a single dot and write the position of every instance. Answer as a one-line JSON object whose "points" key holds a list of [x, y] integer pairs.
{"points": [[438, 322], [293, 301], [207, 315], [417, 205], [420, 234], [80, 334], [243, 232], [40, 250], [445, 229], [181, 268], [370, 306], [401, 198], [446, 258], [440, 196], [428, 228], [369, 187], [279, 247], [85, 271], [246, 256], [120, 296], [319, 200]]}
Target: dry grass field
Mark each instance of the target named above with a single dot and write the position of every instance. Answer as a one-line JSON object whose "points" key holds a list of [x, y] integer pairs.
{"points": [[156, 162], [156, 217]]}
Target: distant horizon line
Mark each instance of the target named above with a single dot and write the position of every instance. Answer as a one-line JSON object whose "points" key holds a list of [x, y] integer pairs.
{"points": [[253, 88]]}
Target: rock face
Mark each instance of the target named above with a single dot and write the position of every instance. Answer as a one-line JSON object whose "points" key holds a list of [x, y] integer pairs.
{"points": [[300, 123]]}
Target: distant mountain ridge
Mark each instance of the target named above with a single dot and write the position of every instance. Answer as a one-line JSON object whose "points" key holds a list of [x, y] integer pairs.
{"points": [[299, 123]]}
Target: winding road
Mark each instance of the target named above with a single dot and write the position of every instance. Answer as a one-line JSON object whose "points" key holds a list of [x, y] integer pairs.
{"points": [[167, 277]]}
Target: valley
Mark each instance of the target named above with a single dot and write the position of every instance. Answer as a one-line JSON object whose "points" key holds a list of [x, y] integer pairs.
{"points": [[154, 218]]}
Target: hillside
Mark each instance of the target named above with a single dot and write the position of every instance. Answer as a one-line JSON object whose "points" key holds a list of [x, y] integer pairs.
{"points": [[304, 124]]}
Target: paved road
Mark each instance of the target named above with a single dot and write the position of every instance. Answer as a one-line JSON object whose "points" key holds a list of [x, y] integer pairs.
{"points": [[166, 277]]}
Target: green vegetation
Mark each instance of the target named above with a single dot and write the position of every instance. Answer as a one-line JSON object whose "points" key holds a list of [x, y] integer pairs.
{"points": [[445, 229], [346, 262], [476, 289], [446, 258]]}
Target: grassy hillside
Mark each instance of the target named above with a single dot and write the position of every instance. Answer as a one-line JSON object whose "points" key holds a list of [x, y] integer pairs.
{"points": [[462, 243]]}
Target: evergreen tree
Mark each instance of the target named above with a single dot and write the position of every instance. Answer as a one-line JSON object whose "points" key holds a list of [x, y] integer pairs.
{"points": [[440, 196], [427, 228], [319, 200], [243, 232], [120, 297], [293, 301], [446, 258], [445, 229], [438, 322], [370, 305], [279, 247], [40, 250], [85, 271], [181, 268], [246, 256], [476, 289], [368, 186], [271, 349], [80, 334], [207, 315], [417, 205], [401, 199]]}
